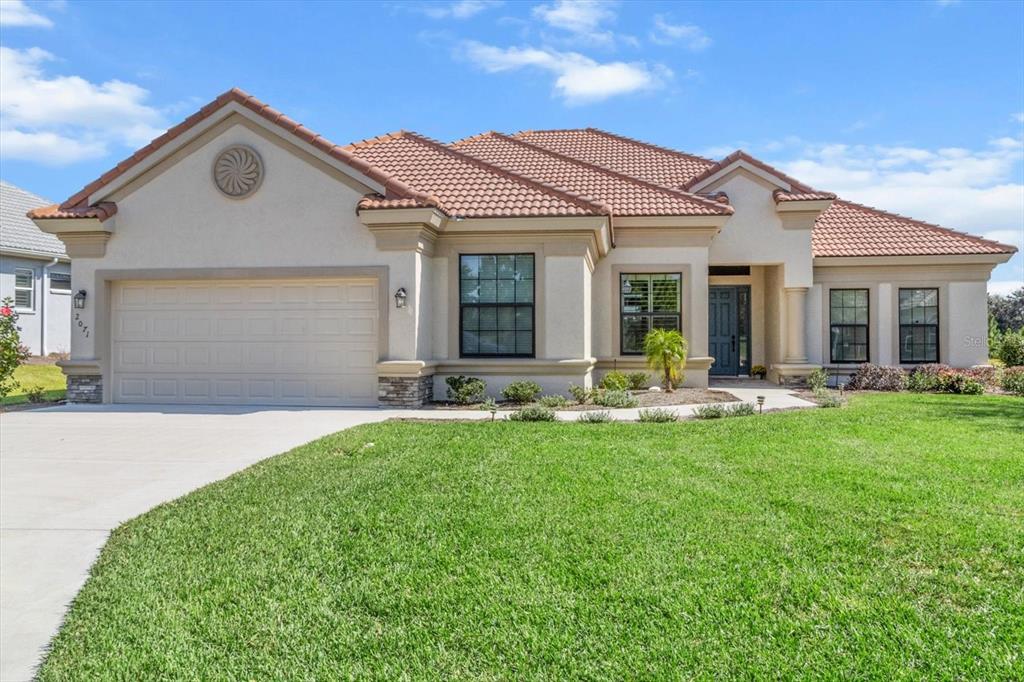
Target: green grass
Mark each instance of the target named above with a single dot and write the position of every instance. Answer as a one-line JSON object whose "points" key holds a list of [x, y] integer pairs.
{"points": [[884, 540], [29, 376]]}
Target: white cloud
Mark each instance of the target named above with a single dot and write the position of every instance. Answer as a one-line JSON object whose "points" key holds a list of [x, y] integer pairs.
{"points": [[578, 79], [1014, 237], [667, 33], [1019, 117], [17, 13], [582, 18], [464, 9], [1004, 287], [63, 119]]}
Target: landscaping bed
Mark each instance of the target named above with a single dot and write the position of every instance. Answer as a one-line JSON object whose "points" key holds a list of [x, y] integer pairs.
{"points": [[877, 541], [680, 396]]}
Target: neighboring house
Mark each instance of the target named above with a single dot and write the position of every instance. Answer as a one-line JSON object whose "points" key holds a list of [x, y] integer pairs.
{"points": [[242, 258], [35, 273]]}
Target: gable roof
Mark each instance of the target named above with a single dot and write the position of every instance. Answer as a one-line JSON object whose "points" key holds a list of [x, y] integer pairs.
{"points": [[462, 185], [625, 195], [19, 233]]}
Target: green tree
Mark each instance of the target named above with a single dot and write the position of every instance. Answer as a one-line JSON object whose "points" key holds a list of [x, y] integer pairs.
{"points": [[666, 353], [1008, 310]]}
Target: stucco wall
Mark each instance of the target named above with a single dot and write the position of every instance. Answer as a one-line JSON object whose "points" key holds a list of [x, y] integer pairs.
{"points": [[54, 308]]}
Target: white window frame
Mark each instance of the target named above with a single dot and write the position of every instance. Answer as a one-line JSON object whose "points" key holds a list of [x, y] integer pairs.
{"points": [[59, 292], [31, 289]]}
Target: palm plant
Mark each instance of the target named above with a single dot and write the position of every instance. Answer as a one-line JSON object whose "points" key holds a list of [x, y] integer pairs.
{"points": [[666, 352]]}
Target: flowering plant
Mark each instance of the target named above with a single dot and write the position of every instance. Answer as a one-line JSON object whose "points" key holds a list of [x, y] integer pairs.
{"points": [[12, 353]]}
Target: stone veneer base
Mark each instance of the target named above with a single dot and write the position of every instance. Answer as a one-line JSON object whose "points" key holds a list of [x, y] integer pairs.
{"points": [[85, 388], [405, 391]]}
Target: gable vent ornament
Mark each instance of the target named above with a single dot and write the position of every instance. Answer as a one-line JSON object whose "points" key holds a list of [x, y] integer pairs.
{"points": [[238, 171]]}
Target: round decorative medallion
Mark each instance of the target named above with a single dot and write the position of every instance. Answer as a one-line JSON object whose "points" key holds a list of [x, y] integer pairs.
{"points": [[238, 171]]}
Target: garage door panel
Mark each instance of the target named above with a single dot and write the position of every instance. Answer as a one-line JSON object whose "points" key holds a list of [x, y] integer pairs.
{"points": [[291, 342]]}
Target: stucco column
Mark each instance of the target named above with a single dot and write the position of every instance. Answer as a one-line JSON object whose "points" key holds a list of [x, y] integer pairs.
{"points": [[796, 324]]}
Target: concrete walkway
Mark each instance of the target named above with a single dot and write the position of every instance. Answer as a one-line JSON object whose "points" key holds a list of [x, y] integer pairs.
{"points": [[71, 474]]}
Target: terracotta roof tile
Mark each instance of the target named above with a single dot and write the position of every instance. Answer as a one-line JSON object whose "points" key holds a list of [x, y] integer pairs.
{"points": [[101, 211], [626, 196], [782, 196], [738, 155], [659, 165], [465, 186], [849, 229]]}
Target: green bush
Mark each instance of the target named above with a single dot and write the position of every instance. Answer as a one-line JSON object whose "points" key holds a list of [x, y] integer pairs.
{"points": [[533, 413], [818, 379], [1013, 380], [599, 417], [712, 411], [615, 381], [638, 381], [465, 390], [521, 392], [960, 383], [581, 394], [1011, 349], [870, 377], [553, 401], [36, 394], [739, 410], [658, 415], [615, 399], [827, 398], [926, 377]]}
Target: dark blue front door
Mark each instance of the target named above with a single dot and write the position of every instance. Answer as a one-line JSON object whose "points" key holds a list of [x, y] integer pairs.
{"points": [[723, 329]]}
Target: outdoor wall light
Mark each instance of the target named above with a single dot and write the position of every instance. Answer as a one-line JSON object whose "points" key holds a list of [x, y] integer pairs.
{"points": [[400, 297], [627, 287], [79, 299]]}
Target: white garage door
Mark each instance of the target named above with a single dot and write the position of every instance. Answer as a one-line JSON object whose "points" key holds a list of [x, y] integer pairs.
{"points": [[256, 342]]}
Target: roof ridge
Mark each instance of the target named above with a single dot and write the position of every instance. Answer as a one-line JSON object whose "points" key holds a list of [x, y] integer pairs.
{"points": [[80, 198], [603, 169], [741, 154], [921, 223], [650, 145], [572, 197]]}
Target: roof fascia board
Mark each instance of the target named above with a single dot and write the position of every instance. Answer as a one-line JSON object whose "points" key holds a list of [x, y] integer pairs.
{"points": [[709, 181], [403, 216], [229, 109], [853, 261], [813, 205], [715, 222], [37, 255]]}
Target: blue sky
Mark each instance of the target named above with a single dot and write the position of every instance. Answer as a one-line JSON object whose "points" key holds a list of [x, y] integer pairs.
{"points": [[913, 107]]}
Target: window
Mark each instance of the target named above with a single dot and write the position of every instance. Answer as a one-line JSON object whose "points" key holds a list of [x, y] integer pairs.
{"points": [[848, 317], [647, 302], [496, 305], [60, 282], [24, 289], [919, 325]]}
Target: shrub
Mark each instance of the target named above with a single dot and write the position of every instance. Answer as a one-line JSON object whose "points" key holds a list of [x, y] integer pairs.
{"points": [[553, 401], [739, 410], [960, 383], [599, 417], [989, 376], [465, 390], [666, 352], [826, 398], [12, 353], [870, 377], [533, 413], [615, 399], [638, 381], [615, 381], [1013, 380], [581, 394], [35, 394], [1011, 349], [658, 415], [521, 392], [818, 379], [926, 377], [759, 371], [712, 411]]}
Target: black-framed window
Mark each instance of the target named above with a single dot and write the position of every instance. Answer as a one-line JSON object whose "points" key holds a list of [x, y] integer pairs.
{"points": [[647, 301], [496, 307], [919, 325], [848, 324]]}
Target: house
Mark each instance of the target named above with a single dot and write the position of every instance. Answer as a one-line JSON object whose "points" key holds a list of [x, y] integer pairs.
{"points": [[35, 273], [242, 258]]}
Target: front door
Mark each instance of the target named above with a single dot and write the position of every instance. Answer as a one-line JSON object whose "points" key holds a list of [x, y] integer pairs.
{"points": [[729, 329]]}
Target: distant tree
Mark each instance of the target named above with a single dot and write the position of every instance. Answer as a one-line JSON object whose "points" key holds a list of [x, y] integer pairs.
{"points": [[1008, 310]]}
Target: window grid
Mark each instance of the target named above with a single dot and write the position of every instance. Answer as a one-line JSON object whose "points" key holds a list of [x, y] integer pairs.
{"points": [[24, 289], [496, 305], [653, 302], [848, 325], [919, 325]]}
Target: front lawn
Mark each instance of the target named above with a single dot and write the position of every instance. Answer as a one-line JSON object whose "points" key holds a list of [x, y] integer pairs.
{"points": [[884, 540], [48, 377]]}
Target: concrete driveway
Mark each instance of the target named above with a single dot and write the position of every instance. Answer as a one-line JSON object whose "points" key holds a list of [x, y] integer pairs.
{"points": [[69, 475]]}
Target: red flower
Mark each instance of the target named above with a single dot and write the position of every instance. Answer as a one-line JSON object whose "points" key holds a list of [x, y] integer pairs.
{"points": [[5, 311]]}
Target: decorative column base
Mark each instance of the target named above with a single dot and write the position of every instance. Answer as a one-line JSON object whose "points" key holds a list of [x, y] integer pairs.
{"points": [[405, 391], [85, 388], [792, 374]]}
